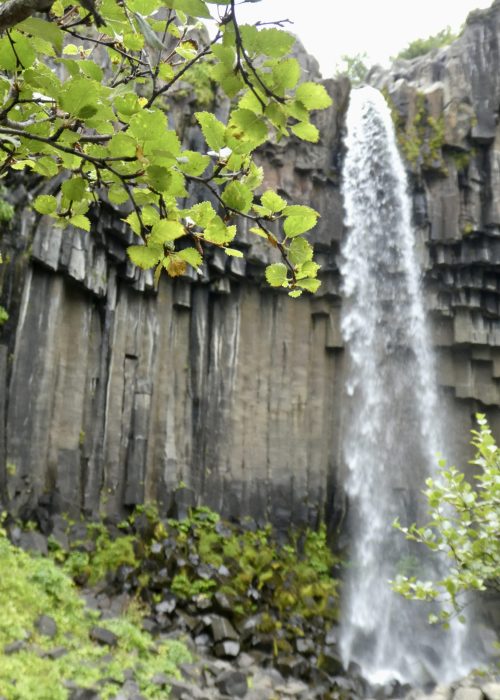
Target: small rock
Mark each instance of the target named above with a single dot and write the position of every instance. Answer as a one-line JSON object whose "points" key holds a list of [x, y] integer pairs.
{"points": [[232, 683], [222, 629], [160, 679], [304, 645], [56, 653], [84, 694], [34, 542], [491, 691], [292, 665], [468, 694], [103, 636], [227, 648], [14, 647], [167, 605], [46, 626]]}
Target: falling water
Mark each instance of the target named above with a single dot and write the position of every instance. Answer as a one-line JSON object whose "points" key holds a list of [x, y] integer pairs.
{"points": [[393, 430]]}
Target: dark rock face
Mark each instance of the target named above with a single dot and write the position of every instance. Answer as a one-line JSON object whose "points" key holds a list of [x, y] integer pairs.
{"points": [[112, 394]]}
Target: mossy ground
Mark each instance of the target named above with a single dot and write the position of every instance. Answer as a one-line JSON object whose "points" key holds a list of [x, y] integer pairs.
{"points": [[31, 586]]}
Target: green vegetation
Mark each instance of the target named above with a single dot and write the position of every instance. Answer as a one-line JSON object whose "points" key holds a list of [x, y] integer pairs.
{"points": [[203, 555], [354, 67], [108, 120], [464, 528], [4, 316], [421, 139], [32, 586], [420, 47]]}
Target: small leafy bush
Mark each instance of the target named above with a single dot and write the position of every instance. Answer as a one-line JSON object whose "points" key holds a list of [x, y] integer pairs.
{"points": [[464, 529]]}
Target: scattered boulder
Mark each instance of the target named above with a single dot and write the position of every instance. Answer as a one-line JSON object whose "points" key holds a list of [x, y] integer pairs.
{"points": [[468, 694], [46, 626], [491, 691], [101, 635], [232, 683]]}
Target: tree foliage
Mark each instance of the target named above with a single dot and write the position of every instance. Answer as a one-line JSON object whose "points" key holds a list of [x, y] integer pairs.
{"points": [[85, 95], [419, 47], [464, 527], [356, 67]]}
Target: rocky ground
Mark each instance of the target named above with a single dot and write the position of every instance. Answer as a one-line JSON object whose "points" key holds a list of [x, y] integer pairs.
{"points": [[235, 650]]}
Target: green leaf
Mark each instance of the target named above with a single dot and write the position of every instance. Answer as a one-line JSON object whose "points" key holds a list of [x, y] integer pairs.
{"points": [[44, 30], [202, 213], [295, 294], [193, 163], [273, 201], [251, 124], [274, 42], [306, 131], [237, 196], [143, 256], [74, 189], [158, 178], [313, 96], [217, 232], [213, 130], [276, 274], [286, 74], [79, 97], [191, 256], [194, 8], [300, 251], [80, 221], [24, 51], [45, 204], [233, 252], [165, 230], [117, 194], [312, 285], [299, 219]]}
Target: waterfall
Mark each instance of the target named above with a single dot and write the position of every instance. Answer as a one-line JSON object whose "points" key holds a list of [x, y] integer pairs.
{"points": [[393, 429]]}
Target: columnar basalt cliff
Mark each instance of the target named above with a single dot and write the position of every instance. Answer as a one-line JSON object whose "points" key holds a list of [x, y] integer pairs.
{"points": [[113, 393]]}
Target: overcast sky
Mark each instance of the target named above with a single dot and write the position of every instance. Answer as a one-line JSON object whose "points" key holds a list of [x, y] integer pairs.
{"points": [[330, 28]]}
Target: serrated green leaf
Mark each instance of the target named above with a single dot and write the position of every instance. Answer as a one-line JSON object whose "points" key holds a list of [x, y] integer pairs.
{"points": [[311, 285], [258, 231], [309, 268], [274, 42], [143, 256], [213, 130], [166, 72], [202, 213], [313, 96], [306, 132], [252, 125], [74, 189], [117, 194], [158, 178], [79, 97], [191, 256], [286, 74], [217, 232], [80, 221], [276, 274], [45, 204], [299, 219], [165, 231], [295, 294], [193, 163], [233, 252], [300, 251], [49, 31], [194, 8], [273, 201], [237, 196]]}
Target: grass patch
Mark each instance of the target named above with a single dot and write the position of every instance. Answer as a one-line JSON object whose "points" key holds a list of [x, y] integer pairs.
{"points": [[31, 586]]}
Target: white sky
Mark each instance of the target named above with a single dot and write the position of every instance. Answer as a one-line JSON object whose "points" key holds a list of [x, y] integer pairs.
{"points": [[380, 28]]}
